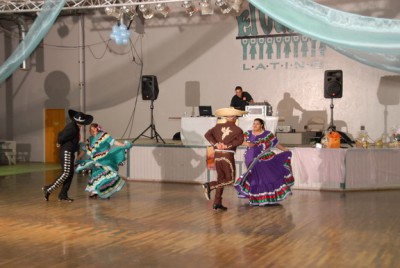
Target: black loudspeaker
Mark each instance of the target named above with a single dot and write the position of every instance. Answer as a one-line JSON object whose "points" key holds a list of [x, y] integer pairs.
{"points": [[149, 87], [333, 86]]}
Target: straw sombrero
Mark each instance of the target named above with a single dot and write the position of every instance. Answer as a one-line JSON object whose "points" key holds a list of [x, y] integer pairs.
{"points": [[225, 112], [80, 118]]}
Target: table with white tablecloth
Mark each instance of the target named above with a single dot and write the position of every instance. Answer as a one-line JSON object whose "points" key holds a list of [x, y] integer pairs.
{"points": [[319, 168], [194, 128], [346, 169], [373, 168], [337, 169]]}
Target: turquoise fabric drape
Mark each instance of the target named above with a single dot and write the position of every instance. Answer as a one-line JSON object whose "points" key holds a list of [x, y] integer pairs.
{"points": [[39, 29], [369, 40], [372, 41]]}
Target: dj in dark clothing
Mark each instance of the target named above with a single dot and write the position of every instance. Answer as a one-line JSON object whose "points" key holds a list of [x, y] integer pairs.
{"points": [[241, 99], [68, 141]]}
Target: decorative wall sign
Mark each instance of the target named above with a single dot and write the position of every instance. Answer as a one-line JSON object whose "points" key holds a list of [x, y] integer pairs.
{"points": [[268, 45]]}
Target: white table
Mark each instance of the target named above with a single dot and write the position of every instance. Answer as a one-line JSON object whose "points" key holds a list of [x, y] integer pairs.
{"points": [[374, 168], [194, 128], [319, 169], [350, 169]]}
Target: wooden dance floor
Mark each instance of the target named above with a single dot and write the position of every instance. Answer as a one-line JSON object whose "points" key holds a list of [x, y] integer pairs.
{"points": [[172, 225]]}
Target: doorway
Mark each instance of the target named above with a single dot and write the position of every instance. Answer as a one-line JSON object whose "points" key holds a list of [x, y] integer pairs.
{"points": [[54, 123]]}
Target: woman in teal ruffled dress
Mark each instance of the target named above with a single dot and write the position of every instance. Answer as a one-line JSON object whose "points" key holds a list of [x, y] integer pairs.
{"points": [[104, 156]]}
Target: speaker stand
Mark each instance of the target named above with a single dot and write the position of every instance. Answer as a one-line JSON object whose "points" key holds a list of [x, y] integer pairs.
{"points": [[152, 127], [332, 127]]}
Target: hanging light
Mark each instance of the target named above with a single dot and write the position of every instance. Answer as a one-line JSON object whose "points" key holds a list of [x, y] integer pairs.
{"points": [[120, 34], [130, 11], [189, 7], [147, 12], [114, 12], [206, 8], [224, 6], [163, 9], [237, 5]]}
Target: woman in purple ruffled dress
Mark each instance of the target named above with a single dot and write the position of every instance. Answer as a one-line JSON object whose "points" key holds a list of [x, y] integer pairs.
{"points": [[269, 175]]}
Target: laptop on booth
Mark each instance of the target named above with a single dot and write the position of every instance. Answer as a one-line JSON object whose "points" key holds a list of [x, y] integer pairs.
{"points": [[205, 110]]}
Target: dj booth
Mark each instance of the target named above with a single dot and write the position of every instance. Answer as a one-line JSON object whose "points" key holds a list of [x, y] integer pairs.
{"points": [[194, 128]]}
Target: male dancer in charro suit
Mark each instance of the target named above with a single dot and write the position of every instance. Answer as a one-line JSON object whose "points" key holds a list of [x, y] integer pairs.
{"points": [[68, 141], [225, 138]]}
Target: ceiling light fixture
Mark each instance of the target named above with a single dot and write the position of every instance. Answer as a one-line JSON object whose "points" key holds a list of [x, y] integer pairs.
{"points": [[163, 9], [147, 12], [224, 6], [114, 12], [237, 5], [206, 8], [189, 7], [129, 11]]}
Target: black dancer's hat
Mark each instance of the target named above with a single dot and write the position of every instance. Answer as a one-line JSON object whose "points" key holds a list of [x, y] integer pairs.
{"points": [[80, 118]]}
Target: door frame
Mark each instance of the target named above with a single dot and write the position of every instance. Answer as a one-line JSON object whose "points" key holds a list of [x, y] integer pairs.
{"points": [[54, 122]]}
